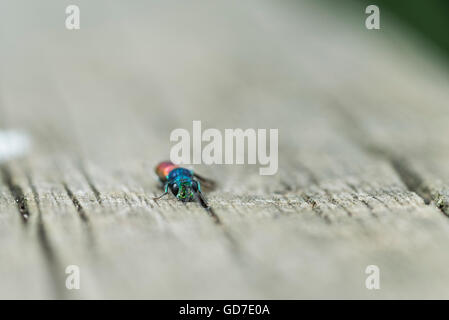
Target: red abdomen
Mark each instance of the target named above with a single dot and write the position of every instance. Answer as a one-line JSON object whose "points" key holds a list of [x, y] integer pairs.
{"points": [[163, 169]]}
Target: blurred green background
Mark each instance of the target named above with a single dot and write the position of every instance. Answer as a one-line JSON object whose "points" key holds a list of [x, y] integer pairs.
{"points": [[429, 19]]}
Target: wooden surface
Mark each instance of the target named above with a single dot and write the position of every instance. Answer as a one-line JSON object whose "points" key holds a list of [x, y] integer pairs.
{"points": [[363, 152]]}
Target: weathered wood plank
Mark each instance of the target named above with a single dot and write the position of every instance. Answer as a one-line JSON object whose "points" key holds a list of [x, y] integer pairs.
{"points": [[25, 271], [100, 103]]}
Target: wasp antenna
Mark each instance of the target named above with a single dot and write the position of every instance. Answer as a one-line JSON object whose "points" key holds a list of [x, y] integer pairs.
{"points": [[157, 198]]}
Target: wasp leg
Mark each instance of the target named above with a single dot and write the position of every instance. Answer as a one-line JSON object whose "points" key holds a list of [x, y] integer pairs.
{"points": [[200, 199], [208, 183], [199, 186], [165, 192]]}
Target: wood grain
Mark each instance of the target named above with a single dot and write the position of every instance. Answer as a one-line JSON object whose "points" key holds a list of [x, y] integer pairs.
{"points": [[363, 172]]}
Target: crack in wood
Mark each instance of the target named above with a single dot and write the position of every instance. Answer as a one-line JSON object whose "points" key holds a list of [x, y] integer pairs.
{"points": [[91, 241], [315, 207], [17, 193], [79, 208], [53, 262], [91, 185], [412, 180], [442, 202]]}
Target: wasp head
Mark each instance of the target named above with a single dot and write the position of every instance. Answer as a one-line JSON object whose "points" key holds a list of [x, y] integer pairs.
{"points": [[184, 190]]}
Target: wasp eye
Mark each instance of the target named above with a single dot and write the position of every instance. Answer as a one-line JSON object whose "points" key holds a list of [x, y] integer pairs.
{"points": [[195, 185], [175, 189]]}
